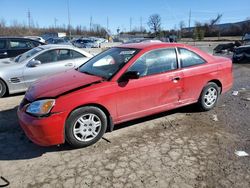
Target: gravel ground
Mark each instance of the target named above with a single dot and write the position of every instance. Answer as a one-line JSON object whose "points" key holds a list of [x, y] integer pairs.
{"points": [[181, 148]]}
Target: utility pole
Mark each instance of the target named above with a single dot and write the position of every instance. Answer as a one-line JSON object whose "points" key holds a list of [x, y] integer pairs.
{"points": [[107, 23], [55, 20], [130, 24], [141, 24], [29, 17], [189, 20], [69, 26], [90, 23]]}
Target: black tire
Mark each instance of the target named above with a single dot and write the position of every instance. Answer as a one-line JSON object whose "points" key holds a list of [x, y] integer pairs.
{"points": [[203, 102], [3, 89], [71, 123]]}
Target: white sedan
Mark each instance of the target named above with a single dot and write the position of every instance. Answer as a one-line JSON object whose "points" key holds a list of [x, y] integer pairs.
{"points": [[18, 73]]}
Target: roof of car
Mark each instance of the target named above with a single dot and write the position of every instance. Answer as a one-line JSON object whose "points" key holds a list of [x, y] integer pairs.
{"points": [[145, 45], [155, 45], [14, 37], [63, 46], [245, 46], [55, 46]]}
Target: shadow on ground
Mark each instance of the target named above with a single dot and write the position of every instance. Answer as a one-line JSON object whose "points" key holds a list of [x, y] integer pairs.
{"points": [[14, 145], [13, 95]]}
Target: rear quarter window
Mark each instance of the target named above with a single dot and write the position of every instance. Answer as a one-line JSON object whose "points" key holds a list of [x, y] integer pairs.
{"points": [[76, 55], [189, 58], [35, 43]]}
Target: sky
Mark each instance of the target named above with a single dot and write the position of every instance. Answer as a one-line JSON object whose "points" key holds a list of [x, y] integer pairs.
{"points": [[120, 13]]}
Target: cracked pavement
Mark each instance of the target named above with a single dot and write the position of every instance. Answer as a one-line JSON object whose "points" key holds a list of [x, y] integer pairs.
{"points": [[180, 148]]}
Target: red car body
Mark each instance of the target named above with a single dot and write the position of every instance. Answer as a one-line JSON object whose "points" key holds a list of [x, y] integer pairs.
{"points": [[138, 98]]}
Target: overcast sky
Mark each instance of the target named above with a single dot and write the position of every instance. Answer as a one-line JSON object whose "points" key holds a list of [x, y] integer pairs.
{"points": [[119, 12]]}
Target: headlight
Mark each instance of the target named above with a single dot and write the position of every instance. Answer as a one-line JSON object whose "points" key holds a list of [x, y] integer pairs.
{"points": [[41, 107]]}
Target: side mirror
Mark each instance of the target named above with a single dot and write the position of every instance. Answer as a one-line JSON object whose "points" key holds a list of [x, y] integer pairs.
{"points": [[34, 63], [129, 76]]}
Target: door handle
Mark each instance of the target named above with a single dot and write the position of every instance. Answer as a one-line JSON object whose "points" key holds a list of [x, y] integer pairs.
{"points": [[176, 79], [68, 65]]}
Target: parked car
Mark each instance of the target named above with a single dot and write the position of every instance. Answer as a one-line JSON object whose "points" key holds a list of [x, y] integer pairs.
{"points": [[246, 39], [37, 38], [57, 41], [99, 41], [13, 46], [18, 73], [46, 36], [123, 83], [226, 48], [85, 43], [140, 40], [241, 54]]}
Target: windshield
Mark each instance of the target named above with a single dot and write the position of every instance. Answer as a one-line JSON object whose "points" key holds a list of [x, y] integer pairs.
{"points": [[59, 40], [84, 41], [107, 63], [27, 54]]}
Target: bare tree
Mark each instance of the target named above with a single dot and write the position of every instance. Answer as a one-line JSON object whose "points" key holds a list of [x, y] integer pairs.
{"points": [[2, 22], [216, 20], [181, 24], [198, 31], [154, 22]]}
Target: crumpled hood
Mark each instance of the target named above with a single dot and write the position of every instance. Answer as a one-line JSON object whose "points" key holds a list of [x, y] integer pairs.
{"points": [[59, 84]]}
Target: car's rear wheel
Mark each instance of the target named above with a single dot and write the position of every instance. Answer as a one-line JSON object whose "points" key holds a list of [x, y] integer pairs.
{"points": [[209, 96], [3, 88], [85, 126]]}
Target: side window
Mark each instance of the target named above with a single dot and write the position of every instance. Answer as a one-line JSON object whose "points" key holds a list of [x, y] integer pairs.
{"points": [[189, 58], [35, 44], [48, 56], [2, 44], [155, 62], [63, 54], [20, 44], [76, 55]]}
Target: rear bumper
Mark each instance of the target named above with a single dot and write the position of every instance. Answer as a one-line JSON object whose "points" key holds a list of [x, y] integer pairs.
{"points": [[44, 131]]}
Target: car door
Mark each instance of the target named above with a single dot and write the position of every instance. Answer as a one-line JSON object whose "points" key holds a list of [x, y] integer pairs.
{"points": [[158, 88], [52, 62], [3, 49], [194, 74]]}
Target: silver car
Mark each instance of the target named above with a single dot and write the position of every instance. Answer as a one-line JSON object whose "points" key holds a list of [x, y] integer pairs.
{"points": [[18, 73]]}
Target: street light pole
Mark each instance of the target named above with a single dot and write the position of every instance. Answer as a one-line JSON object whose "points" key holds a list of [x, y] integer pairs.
{"points": [[69, 26]]}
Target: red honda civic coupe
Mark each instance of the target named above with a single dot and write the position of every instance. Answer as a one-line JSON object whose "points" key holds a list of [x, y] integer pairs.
{"points": [[120, 84]]}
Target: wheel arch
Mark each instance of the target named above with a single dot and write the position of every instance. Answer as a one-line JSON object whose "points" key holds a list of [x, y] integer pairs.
{"points": [[110, 124], [217, 82], [6, 85]]}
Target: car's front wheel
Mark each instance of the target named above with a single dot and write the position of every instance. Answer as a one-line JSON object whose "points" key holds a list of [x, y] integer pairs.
{"points": [[209, 96], [3, 88], [85, 126]]}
